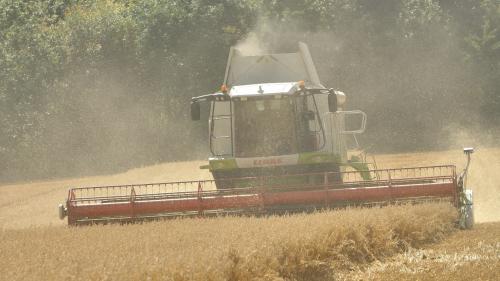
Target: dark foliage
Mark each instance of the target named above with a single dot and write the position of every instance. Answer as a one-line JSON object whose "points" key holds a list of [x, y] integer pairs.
{"points": [[100, 86]]}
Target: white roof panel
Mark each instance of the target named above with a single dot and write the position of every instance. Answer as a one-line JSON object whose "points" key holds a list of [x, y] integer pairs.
{"points": [[270, 68], [288, 88]]}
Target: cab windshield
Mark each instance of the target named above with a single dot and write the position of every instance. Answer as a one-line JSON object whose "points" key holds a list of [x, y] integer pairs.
{"points": [[270, 127]]}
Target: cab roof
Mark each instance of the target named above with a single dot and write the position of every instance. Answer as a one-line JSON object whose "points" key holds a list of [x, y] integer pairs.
{"points": [[264, 89]]}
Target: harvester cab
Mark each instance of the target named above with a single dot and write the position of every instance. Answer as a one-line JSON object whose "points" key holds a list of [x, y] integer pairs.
{"points": [[278, 142], [273, 116]]}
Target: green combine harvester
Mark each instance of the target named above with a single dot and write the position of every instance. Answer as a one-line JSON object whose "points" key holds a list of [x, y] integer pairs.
{"points": [[278, 140], [273, 117]]}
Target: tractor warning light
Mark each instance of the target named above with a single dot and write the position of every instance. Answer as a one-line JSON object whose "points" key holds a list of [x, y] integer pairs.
{"points": [[223, 89]]}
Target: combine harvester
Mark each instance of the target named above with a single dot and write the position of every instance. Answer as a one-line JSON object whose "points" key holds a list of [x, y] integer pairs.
{"points": [[278, 141]]}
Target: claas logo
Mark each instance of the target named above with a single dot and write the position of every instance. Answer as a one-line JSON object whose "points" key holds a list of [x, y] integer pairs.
{"points": [[267, 162]]}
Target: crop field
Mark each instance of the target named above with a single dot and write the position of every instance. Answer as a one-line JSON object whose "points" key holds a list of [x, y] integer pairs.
{"points": [[408, 242]]}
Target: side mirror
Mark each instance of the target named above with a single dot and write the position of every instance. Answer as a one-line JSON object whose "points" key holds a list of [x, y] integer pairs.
{"points": [[195, 111], [332, 102]]}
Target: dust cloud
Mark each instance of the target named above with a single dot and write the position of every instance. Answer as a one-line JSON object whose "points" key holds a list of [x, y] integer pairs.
{"points": [[484, 178], [110, 120], [414, 96], [250, 46], [418, 97], [411, 90]]}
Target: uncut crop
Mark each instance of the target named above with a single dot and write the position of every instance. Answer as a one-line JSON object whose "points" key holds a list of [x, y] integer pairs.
{"points": [[296, 247]]}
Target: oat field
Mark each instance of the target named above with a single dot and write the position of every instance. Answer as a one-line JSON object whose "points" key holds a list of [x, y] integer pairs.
{"points": [[395, 243]]}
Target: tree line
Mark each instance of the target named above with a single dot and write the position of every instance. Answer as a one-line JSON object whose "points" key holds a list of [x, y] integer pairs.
{"points": [[91, 86]]}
